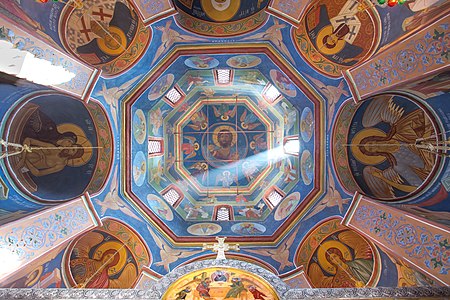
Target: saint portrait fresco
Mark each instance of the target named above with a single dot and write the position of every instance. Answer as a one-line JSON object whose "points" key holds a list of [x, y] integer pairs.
{"points": [[63, 147], [104, 34], [109, 257], [386, 157], [335, 256], [333, 34]]}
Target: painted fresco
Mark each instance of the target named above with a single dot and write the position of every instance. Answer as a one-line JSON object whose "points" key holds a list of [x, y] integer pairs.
{"points": [[111, 256], [105, 34], [419, 55], [220, 283], [430, 87], [333, 35], [222, 152], [407, 276], [335, 256], [45, 273], [386, 157], [65, 144], [405, 236], [221, 11]]}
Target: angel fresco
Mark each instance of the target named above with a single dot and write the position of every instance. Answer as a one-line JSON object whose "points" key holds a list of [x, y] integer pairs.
{"points": [[100, 261], [335, 266], [392, 163], [60, 147]]}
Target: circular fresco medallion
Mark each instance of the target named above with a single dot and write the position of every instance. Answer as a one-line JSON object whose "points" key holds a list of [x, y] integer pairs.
{"points": [[103, 258], [388, 156], [107, 34], [243, 61], [287, 206], [201, 62], [202, 229], [335, 256], [307, 167], [306, 124], [283, 83], [161, 86], [139, 168], [248, 228], [224, 143], [335, 34], [139, 126], [159, 207]]}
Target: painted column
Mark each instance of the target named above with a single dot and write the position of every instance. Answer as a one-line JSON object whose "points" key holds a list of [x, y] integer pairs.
{"points": [[84, 81], [423, 244], [25, 240], [423, 54]]}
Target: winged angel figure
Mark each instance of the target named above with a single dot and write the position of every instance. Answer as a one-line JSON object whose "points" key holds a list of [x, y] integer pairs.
{"points": [[407, 165], [347, 270], [279, 254], [169, 255]]}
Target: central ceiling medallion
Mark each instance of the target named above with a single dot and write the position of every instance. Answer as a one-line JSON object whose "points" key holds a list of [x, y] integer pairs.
{"points": [[221, 147]]}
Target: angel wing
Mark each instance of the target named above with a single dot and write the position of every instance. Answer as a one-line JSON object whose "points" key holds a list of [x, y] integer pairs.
{"points": [[291, 239], [113, 186], [126, 278], [159, 242], [382, 109], [216, 112], [357, 243], [190, 155], [126, 86], [243, 116], [258, 136], [318, 278], [85, 244], [195, 127], [187, 253], [319, 207], [113, 114], [377, 186], [282, 47], [262, 252], [191, 139], [317, 83], [233, 112]]}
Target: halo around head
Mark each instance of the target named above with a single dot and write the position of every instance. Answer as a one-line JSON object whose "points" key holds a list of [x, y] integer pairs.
{"points": [[356, 141], [81, 140], [120, 250], [218, 129], [321, 254]]}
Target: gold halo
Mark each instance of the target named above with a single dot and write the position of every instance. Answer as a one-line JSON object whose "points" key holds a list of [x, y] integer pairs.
{"points": [[323, 248], [81, 140], [361, 157], [119, 36], [220, 16], [33, 279], [222, 127], [114, 245], [328, 30]]}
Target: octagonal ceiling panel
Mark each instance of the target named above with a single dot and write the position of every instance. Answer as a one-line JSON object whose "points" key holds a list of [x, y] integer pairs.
{"points": [[231, 154]]}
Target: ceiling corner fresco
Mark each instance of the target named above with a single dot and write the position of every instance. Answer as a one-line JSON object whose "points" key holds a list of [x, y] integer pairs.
{"points": [[216, 118]]}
